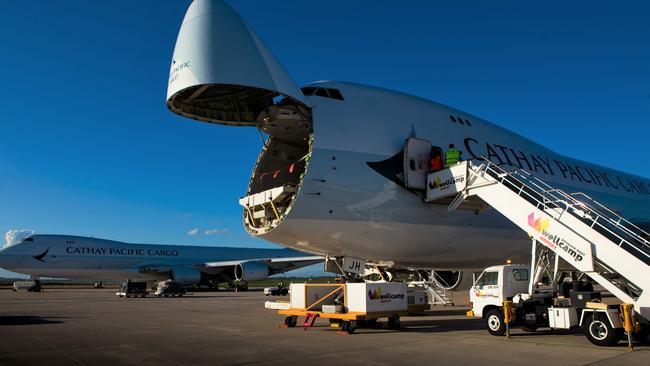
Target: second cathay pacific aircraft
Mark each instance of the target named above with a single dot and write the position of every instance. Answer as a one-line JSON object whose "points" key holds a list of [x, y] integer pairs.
{"points": [[65, 256]]}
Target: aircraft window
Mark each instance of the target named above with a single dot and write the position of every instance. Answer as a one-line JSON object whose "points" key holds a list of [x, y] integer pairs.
{"points": [[453, 119], [309, 90], [469, 124], [322, 92], [335, 93]]}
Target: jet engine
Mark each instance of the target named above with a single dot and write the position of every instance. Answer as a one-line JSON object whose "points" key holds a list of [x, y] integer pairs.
{"points": [[251, 271], [186, 276], [453, 280]]}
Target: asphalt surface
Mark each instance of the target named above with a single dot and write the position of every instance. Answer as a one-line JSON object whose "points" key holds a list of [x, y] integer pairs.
{"points": [[94, 327]]}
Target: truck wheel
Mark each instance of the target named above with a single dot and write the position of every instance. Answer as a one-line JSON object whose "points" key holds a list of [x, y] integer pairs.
{"points": [[599, 331], [495, 323]]}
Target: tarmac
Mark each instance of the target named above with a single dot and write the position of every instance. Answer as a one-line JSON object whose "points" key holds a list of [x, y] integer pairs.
{"points": [[94, 327]]}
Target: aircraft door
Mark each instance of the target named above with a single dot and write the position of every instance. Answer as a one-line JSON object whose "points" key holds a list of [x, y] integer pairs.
{"points": [[417, 153]]}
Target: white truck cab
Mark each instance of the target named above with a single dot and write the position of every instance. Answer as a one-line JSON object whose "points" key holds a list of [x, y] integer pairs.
{"points": [[496, 284], [491, 288]]}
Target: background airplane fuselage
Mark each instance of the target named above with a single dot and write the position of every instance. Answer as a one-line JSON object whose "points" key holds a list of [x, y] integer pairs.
{"points": [[346, 208], [64, 256]]}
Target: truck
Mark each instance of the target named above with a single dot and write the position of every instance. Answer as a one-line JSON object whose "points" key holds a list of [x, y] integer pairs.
{"points": [[132, 289], [170, 288], [280, 290], [29, 286], [502, 296]]}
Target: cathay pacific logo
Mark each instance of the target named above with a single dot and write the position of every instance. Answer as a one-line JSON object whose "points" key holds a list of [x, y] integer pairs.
{"points": [[42, 255], [539, 224]]}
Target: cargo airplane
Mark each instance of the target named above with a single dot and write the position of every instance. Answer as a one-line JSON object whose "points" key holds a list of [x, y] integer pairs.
{"points": [[77, 257], [342, 173]]}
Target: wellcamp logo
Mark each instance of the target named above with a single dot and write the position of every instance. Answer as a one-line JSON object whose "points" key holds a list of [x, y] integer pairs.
{"points": [[552, 241], [377, 295], [539, 224], [437, 183]]}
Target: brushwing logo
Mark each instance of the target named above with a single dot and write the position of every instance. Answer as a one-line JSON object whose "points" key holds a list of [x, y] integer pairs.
{"points": [[42, 255], [539, 224]]}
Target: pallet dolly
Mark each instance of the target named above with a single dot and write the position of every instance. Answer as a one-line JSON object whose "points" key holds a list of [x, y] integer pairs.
{"points": [[347, 322]]}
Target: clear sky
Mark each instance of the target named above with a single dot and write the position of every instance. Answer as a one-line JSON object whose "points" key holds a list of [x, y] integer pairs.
{"points": [[89, 148]]}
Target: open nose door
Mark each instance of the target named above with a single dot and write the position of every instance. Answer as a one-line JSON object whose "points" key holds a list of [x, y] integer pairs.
{"points": [[221, 71]]}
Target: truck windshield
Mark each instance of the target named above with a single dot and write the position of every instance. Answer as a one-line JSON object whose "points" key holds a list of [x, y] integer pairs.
{"points": [[488, 279]]}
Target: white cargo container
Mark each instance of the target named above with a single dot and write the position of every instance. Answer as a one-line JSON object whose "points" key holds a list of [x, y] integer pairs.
{"points": [[376, 297]]}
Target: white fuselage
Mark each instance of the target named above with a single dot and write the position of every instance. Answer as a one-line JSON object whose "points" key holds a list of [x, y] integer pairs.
{"points": [[358, 212]]}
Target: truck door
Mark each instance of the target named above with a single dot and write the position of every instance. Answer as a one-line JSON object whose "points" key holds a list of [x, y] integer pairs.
{"points": [[417, 153]]}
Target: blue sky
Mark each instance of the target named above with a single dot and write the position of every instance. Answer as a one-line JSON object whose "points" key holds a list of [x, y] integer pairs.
{"points": [[89, 148]]}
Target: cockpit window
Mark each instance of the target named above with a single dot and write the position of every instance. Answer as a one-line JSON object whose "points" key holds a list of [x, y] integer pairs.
{"points": [[322, 92], [309, 90], [335, 93], [29, 239]]}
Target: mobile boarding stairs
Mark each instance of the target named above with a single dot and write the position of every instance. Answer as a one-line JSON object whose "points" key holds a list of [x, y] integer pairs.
{"points": [[592, 238]]}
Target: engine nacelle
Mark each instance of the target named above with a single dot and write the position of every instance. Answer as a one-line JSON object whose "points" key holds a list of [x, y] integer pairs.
{"points": [[453, 280], [186, 276], [251, 271]]}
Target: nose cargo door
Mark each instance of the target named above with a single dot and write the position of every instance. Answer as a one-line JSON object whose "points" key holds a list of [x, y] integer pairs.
{"points": [[221, 71]]}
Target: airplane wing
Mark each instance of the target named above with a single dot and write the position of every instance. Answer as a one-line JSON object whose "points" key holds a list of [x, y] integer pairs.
{"points": [[245, 269], [275, 265]]}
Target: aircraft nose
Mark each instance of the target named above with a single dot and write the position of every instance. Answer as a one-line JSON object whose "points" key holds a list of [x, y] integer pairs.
{"points": [[4, 256]]}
